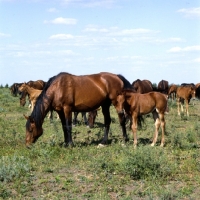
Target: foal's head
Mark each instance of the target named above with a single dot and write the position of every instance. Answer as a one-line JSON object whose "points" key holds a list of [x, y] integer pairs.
{"points": [[22, 87]]}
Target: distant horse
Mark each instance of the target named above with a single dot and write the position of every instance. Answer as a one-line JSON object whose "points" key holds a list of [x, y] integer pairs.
{"points": [[197, 86], [143, 86], [67, 93], [14, 88], [136, 105], [39, 84], [186, 93], [172, 91], [88, 121], [33, 93], [163, 87]]}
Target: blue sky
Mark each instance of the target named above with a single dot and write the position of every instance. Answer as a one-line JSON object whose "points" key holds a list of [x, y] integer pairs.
{"points": [[145, 39]]}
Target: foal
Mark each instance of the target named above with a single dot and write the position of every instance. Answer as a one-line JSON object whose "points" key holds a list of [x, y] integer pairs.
{"points": [[136, 104], [33, 93], [186, 93]]}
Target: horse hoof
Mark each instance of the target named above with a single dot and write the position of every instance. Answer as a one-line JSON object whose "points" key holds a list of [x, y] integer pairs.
{"points": [[100, 146]]}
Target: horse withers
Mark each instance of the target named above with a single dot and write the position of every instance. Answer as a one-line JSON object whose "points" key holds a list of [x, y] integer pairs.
{"points": [[136, 105], [66, 93]]}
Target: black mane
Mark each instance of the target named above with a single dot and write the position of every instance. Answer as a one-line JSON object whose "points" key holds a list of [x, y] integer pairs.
{"points": [[127, 84]]}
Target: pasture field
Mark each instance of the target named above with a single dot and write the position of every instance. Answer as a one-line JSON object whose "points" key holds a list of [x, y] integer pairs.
{"points": [[117, 171]]}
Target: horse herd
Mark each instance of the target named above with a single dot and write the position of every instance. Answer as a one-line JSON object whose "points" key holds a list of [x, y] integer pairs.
{"points": [[66, 94]]}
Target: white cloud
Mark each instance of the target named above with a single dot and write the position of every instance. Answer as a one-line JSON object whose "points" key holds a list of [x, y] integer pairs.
{"points": [[61, 20], [52, 10], [4, 35], [90, 3], [185, 49], [61, 36], [190, 12]]}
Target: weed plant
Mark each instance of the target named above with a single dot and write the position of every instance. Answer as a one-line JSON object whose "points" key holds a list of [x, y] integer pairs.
{"points": [[118, 171]]}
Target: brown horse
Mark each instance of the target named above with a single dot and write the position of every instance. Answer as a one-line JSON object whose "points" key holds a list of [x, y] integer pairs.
{"points": [[33, 93], [14, 88], [172, 91], [67, 93], [143, 86], [163, 87], [136, 105], [186, 93]]}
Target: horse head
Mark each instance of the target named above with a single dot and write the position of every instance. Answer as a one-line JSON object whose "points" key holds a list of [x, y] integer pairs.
{"points": [[22, 87], [32, 131]]}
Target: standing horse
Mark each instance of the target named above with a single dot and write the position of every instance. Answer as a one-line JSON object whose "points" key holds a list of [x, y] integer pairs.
{"points": [[186, 93], [163, 87], [136, 105], [143, 86], [67, 93]]}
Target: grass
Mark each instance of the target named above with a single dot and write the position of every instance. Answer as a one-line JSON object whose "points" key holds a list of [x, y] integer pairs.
{"points": [[117, 171]]}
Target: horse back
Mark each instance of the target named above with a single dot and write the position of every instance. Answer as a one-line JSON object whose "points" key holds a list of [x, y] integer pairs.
{"points": [[84, 93]]}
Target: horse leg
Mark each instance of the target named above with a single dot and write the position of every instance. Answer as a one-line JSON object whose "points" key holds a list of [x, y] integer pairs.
{"points": [[178, 105], [67, 126], [162, 121], [85, 118], [107, 121], [75, 118], [186, 107], [134, 129], [157, 126]]}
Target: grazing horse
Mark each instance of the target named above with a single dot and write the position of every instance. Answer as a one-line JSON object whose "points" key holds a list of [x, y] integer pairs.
{"points": [[172, 91], [33, 93], [186, 93], [163, 87], [67, 93], [136, 105], [143, 86]]}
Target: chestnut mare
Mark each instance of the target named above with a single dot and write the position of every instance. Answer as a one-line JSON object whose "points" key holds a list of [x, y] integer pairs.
{"points": [[67, 93], [186, 93], [143, 86], [136, 105]]}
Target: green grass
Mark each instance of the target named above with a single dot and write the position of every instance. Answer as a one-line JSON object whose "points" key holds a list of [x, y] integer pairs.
{"points": [[117, 171]]}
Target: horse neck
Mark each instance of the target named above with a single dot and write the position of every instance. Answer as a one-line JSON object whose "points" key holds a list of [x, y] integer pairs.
{"points": [[29, 89]]}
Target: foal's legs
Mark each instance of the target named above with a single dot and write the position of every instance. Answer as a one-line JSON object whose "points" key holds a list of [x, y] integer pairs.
{"points": [[186, 107], [157, 126], [134, 128], [162, 120]]}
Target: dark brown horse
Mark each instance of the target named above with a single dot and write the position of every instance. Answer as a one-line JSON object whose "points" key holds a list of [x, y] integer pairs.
{"points": [[163, 86], [143, 86], [136, 105], [67, 93], [14, 88]]}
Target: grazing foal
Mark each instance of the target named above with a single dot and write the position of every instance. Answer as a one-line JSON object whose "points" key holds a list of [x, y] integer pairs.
{"points": [[136, 104], [186, 93]]}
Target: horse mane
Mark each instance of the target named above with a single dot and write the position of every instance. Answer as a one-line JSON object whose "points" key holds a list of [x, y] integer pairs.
{"points": [[127, 84], [38, 111]]}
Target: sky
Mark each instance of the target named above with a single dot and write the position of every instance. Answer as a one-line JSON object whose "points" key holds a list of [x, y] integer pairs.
{"points": [[139, 39]]}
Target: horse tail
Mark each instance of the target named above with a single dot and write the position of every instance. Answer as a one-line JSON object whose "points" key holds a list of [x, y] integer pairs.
{"points": [[140, 121]]}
